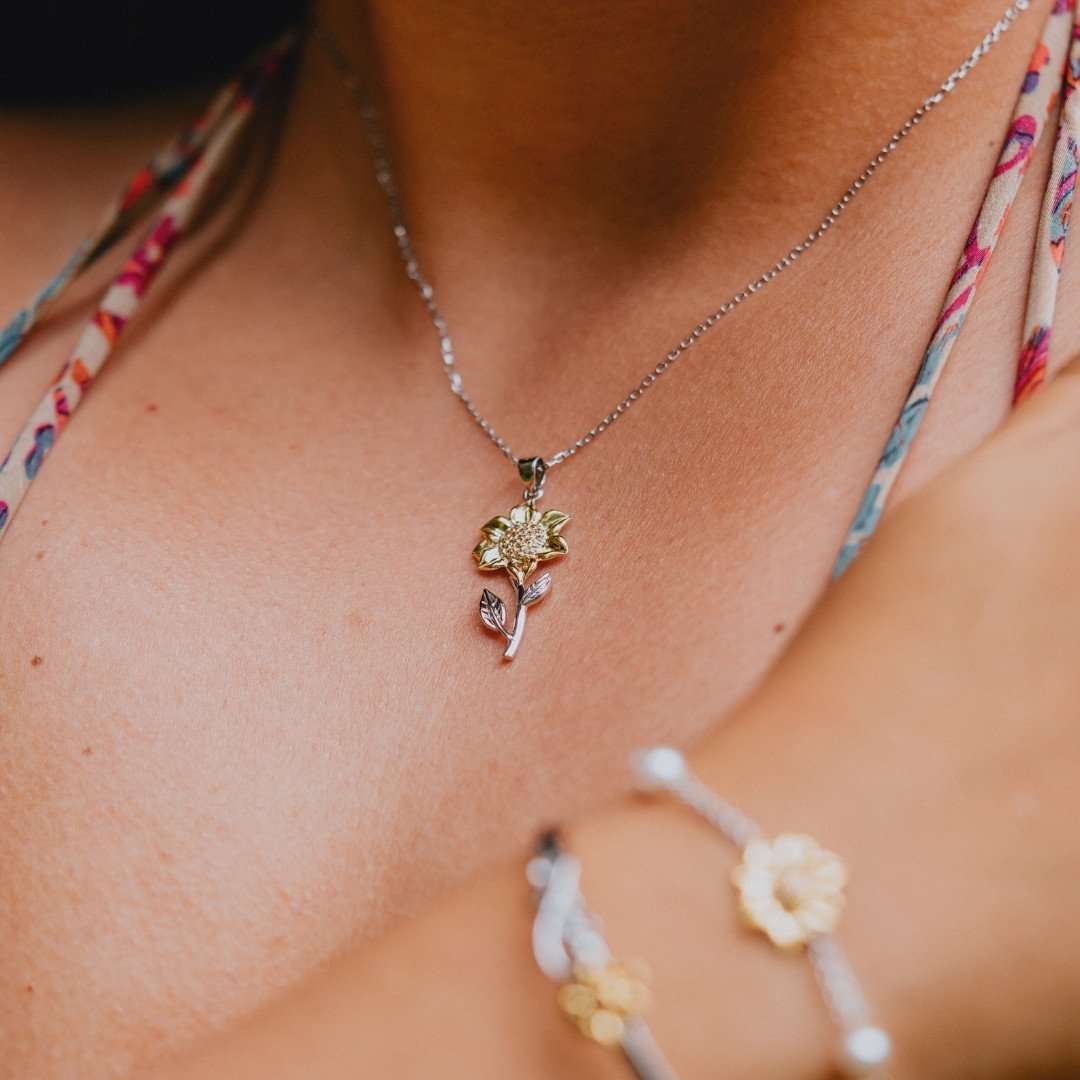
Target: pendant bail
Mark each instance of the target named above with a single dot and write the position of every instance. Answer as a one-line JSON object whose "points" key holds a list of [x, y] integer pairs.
{"points": [[533, 472]]}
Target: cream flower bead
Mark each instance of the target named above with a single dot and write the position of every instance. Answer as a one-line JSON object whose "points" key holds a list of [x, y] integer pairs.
{"points": [[790, 888], [601, 1000]]}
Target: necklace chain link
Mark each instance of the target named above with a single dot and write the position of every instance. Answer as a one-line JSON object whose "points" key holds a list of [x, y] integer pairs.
{"points": [[384, 175]]}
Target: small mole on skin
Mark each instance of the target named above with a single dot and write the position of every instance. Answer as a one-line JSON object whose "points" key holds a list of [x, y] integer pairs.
{"points": [[87, 751], [44, 521], [151, 407], [779, 628], [29, 989], [39, 555], [35, 661]]}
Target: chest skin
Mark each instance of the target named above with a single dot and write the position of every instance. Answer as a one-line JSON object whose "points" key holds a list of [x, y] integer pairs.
{"points": [[249, 712]]}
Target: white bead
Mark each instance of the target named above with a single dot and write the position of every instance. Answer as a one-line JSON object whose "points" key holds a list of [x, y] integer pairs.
{"points": [[538, 872], [865, 1049], [660, 767]]}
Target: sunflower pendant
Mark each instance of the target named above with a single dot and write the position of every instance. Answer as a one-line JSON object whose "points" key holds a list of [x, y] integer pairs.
{"points": [[517, 544]]}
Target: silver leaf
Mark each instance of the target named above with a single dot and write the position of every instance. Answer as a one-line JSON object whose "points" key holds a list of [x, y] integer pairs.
{"points": [[492, 611], [537, 589]]}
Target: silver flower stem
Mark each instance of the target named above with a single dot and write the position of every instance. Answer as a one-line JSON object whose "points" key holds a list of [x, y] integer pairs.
{"points": [[519, 622]]}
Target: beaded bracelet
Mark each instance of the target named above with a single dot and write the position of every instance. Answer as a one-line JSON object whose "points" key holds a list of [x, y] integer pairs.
{"points": [[789, 888], [602, 997]]}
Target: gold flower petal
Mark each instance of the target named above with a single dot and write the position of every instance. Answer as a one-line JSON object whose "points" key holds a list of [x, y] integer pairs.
{"points": [[519, 515], [556, 545], [494, 529], [489, 557], [554, 520]]}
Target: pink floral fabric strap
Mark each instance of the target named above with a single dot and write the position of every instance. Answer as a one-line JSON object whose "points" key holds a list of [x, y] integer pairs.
{"points": [[1037, 102], [1053, 229], [180, 175]]}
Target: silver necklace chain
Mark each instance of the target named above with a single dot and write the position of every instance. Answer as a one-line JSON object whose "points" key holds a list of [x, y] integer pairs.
{"points": [[385, 176]]}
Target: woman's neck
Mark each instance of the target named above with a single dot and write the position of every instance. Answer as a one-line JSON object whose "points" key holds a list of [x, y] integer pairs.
{"points": [[544, 150], [627, 115], [600, 109]]}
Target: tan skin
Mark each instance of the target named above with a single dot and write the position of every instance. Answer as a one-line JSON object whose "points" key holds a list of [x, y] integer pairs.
{"points": [[923, 722], [264, 722]]}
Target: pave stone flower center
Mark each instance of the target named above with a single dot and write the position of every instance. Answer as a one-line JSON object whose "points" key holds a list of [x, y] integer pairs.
{"points": [[523, 541]]}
